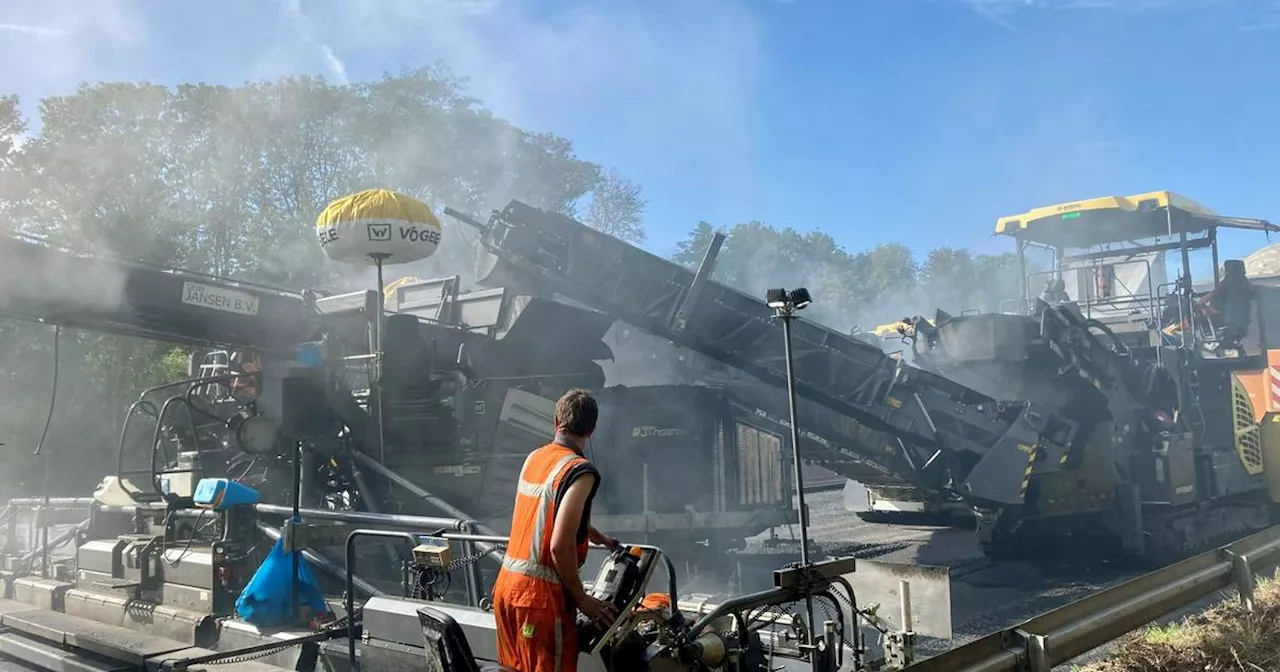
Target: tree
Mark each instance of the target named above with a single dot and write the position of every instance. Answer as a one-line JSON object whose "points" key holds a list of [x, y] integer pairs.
{"points": [[689, 252], [12, 127], [867, 288], [616, 208]]}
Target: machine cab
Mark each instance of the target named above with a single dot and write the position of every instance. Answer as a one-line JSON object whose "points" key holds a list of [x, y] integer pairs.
{"points": [[1145, 269]]}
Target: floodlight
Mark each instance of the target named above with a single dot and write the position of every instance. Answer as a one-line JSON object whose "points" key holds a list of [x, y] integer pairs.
{"points": [[776, 298], [787, 302], [800, 297]]}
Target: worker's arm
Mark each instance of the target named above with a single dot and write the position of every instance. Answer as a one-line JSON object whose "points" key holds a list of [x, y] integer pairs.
{"points": [[564, 547], [564, 532]]}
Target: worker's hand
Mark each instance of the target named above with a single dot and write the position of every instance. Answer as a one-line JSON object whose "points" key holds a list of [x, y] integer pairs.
{"points": [[598, 610], [605, 540]]}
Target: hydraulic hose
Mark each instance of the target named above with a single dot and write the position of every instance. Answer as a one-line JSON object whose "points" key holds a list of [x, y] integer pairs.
{"points": [[1091, 323]]}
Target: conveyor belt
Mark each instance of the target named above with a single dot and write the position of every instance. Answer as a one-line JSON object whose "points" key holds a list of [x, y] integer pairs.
{"points": [[950, 433]]}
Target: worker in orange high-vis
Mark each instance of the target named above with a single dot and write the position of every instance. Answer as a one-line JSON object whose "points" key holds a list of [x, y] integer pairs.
{"points": [[538, 591]]}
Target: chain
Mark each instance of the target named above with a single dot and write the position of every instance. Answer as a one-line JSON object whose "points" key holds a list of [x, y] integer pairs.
{"points": [[465, 560], [235, 660], [249, 657]]}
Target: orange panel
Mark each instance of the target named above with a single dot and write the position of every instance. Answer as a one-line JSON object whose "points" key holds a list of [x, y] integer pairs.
{"points": [[1263, 386], [1257, 384], [1273, 380]]}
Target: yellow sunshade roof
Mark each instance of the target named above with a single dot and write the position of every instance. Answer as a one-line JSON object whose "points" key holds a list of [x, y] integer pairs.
{"points": [[1112, 219]]}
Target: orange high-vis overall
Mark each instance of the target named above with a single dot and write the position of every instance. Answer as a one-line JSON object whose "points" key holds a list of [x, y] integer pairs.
{"points": [[535, 620]]}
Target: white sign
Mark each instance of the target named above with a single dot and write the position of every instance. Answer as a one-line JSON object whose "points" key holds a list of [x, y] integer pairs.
{"points": [[647, 431], [458, 470], [224, 299]]}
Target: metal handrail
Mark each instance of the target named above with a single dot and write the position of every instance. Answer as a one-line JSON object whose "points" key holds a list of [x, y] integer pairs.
{"points": [[1148, 301]]}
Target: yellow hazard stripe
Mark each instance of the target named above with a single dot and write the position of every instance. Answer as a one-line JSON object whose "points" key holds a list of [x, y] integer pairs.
{"points": [[1026, 475]]}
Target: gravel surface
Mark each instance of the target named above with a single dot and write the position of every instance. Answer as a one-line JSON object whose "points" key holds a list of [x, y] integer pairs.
{"points": [[985, 596]]}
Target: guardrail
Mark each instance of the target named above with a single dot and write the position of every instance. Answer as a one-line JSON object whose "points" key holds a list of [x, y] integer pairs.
{"points": [[1057, 636]]}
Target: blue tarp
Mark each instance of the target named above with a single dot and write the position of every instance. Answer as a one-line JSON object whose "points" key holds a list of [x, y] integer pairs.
{"points": [[268, 599]]}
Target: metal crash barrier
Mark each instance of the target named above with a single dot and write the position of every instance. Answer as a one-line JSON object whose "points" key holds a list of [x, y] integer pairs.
{"points": [[1057, 636]]}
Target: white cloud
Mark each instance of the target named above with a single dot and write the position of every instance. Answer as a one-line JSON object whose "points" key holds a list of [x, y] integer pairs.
{"points": [[51, 45], [34, 31], [1000, 11], [305, 47], [337, 68], [1269, 18], [1009, 6], [677, 80]]}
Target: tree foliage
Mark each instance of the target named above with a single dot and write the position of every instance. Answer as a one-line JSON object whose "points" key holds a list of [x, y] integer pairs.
{"points": [[229, 181], [867, 288], [616, 207]]}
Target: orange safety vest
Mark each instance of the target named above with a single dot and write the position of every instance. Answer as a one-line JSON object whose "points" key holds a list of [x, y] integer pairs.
{"points": [[532, 612], [544, 478]]}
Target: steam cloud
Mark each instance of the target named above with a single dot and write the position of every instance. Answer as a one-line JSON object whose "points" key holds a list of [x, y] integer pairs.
{"points": [[580, 63]]}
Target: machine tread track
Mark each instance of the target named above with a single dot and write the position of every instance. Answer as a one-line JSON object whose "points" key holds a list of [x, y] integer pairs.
{"points": [[912, 518], [1163, 556]]}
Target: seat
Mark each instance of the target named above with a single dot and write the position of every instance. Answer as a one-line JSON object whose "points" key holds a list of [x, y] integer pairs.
{"points": [[446, 646]]}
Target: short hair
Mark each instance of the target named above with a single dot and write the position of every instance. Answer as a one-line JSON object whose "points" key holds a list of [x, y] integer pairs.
{"points": [[577, 412]]}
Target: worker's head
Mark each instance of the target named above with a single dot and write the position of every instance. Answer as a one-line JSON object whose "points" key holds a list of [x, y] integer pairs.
{"points": [[576, 413]]}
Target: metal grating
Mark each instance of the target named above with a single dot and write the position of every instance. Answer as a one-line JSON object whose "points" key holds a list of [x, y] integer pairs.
{"points": [[1247, 433], [759, 466]]}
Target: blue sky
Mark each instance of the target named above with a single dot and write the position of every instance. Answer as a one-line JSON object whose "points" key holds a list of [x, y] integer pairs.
{"points": [[917, 121]]}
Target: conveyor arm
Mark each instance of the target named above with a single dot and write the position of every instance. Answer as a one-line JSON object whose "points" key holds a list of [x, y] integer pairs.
{"points": [[47, 284], [952, 435]]}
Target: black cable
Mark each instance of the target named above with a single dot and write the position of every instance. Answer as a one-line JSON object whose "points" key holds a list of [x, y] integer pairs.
{"points": [[1091, 323], [48, 420], [196, 528], [53, 397]]}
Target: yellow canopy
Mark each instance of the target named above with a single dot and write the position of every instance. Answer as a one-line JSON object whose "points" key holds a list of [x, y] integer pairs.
{"points": [[1150, 201], [378, 226], [1119, 219], [390, 290]]}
